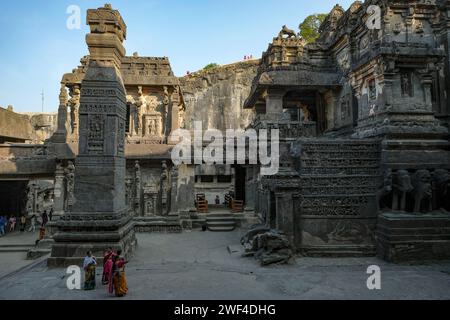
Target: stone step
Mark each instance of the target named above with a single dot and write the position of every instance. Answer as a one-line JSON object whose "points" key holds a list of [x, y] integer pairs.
{"points": [[221, 223], [220, 218], [17, 245], [219, 213], [339, 251], [221, 229], [15, 249], [222, 214]]}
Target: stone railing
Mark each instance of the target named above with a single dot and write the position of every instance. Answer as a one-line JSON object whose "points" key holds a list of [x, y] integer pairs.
{"points": [[288, 129], [24, 151]]}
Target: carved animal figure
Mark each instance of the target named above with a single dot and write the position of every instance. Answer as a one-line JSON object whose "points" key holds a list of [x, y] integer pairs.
{"points": [[306, 113], [285, 31], [422, 190], [441, 189], [401, 185], [384, 189]]}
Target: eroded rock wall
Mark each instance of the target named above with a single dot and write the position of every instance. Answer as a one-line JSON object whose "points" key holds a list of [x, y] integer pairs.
{"points": [[216, 96], [26, 127]]}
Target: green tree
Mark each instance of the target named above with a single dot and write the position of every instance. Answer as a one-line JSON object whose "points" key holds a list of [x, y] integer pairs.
{"points": [[309, 28], [211, 66]]}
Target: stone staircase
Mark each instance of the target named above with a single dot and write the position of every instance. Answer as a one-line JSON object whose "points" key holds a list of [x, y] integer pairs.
{"points": [[25, 243], [11, 248], [221, 222]]}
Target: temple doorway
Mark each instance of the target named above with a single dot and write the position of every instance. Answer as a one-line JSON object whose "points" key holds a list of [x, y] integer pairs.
{"points": [[13, 195], [239, 180]]}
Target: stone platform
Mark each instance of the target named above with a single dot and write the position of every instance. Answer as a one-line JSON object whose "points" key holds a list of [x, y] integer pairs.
{"points": [[155, 224], [197, 266], [413, 237], [77, 233]]}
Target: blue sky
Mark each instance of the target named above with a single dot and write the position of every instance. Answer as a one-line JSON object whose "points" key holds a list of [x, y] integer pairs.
{"points": [[37, 48]]}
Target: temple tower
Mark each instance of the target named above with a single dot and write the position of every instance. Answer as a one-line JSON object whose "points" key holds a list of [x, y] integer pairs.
{"points": [[98, 217]]}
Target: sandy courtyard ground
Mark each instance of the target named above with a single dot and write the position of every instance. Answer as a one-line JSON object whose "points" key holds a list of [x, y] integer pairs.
{"points": [[197, 265]]}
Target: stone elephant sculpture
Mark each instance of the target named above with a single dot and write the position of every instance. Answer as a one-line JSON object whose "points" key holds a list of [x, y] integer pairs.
{"points": [[441, 189], [384, 189], [401, 185], [423, 191]]}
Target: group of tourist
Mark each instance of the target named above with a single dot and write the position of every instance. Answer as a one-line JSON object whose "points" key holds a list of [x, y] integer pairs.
{"points": [[113, 272], [8, 224]]}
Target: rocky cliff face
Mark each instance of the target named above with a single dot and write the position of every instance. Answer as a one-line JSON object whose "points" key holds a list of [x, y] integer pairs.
{"points": [[216, 96], [26, 127]]}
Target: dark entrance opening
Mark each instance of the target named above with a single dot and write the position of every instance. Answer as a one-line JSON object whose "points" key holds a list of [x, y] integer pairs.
{"points": [[306, 105], [127, 123], [355, 111], [239, 180], [13, 196]]}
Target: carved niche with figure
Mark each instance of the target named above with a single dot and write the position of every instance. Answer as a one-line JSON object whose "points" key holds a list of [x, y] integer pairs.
{"points": [[141, 105], [150, 198], [146, 116], [74, 104], [69, 175], [96, 134], [153, 125]]}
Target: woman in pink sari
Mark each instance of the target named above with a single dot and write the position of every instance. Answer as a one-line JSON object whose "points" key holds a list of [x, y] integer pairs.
{"points": [[107, 265]]}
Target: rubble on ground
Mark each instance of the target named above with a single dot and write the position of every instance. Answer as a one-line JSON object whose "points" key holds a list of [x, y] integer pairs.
{"points": [[268, 246]]}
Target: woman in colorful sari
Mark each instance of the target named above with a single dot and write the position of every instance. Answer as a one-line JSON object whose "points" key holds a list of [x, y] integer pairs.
{"points": [[107, 265], [89, 267], [118, 281]]}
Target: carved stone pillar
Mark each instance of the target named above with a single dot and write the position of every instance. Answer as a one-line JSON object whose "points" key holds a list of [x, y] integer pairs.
{"points": [[388, 71], [99, 217], [285, 214], [59, 192], [61, 133], [335, 108], [175, 123], [186, 188], [274, 104], [164, 193], [137, 190], [166, 104], [427, 81], [387, 90], [174, 190], [35, 200], [74, 103]]}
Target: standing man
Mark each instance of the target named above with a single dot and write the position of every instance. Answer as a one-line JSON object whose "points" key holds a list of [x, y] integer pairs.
{"points": [[33, 224], [23, 222], [44, 219], [2, 226]]}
